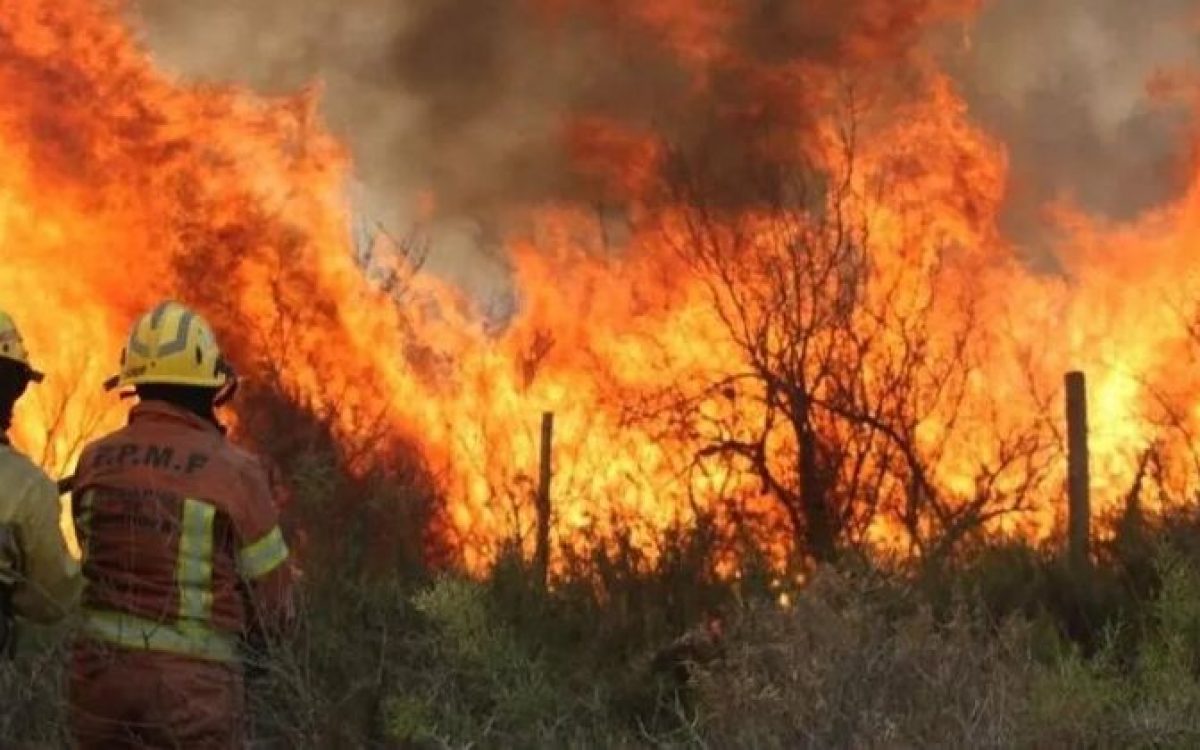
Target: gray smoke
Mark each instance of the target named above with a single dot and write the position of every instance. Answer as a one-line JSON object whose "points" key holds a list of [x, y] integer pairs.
{"points": [[466, 99], [407, 136], [1063, 84], [463, 100]]}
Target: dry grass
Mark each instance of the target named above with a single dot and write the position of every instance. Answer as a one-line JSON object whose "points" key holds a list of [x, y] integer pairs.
{"points": [[858, 659], [856, 663]]}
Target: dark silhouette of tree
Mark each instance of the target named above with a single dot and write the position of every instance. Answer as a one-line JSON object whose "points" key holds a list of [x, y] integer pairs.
{"points": [[855, 352]]}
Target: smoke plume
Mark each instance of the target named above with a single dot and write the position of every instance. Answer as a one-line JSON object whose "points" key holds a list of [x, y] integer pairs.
{"points": [[1065, 86], [465, 101]]}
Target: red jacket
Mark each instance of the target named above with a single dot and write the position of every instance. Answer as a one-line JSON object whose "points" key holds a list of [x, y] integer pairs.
{"points": [[182, 547]]}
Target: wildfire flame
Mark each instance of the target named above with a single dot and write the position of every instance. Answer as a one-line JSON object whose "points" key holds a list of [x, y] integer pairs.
{"points": [[120, 185]]}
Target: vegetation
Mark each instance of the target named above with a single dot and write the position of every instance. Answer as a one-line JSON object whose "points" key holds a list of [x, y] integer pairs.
{"points": [[1003, 646]]}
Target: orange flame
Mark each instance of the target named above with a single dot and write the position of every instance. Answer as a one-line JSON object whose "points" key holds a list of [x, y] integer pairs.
{"points": [[119, 186]]}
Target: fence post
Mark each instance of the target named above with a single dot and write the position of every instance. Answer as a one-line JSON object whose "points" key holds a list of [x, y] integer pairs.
{"points": [[1078, 501], [542, 551]]}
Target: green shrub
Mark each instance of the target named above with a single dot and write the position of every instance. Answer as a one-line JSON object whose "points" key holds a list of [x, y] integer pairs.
{"points": [[1148, 697], [1000, 647], [486, 688]]}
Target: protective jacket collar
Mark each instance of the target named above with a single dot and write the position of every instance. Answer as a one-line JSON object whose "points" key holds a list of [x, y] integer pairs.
{"points": [[161, 411]]}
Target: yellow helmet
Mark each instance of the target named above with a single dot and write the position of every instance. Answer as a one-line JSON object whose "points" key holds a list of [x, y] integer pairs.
{"points": [[171, 345], [12, 346]]}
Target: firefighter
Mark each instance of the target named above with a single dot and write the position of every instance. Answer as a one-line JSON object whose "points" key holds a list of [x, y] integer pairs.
{"points": [[39, 579], [182, 551]]}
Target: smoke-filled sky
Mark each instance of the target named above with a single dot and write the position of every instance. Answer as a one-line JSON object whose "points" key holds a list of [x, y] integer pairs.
{"points": [[1064, 84], [462, 99]]}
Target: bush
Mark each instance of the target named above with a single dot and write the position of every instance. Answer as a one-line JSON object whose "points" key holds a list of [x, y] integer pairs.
{"points": [[456, 662], [33, 713], [478, 684], [854, 663], [1004, 647], [1147, 696]]}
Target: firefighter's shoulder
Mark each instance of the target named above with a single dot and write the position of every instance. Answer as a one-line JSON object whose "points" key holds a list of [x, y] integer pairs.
{"points": [[245, 462]]}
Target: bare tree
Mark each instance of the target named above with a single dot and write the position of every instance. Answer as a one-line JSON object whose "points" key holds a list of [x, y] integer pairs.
{"points": [[846, 352], [70, 414]]}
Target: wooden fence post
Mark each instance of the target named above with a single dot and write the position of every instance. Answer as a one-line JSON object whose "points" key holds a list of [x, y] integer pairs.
{"points": [[1079, 503], [542, 551]]}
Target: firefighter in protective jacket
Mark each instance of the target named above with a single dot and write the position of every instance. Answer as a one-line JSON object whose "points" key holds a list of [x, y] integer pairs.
{"points": [[183, 555], [39, 579]]}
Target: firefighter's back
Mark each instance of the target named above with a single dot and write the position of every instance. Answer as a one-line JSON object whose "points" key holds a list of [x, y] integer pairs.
{"points": [[158, 508], [182, 550]]}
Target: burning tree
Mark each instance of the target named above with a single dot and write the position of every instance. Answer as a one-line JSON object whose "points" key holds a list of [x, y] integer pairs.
{"points": [[855, 320], [825, 286]]}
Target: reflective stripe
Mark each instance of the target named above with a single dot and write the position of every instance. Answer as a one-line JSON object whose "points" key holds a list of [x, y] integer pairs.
{"points": [[265, 555], [185, 638], [193, 571]]}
